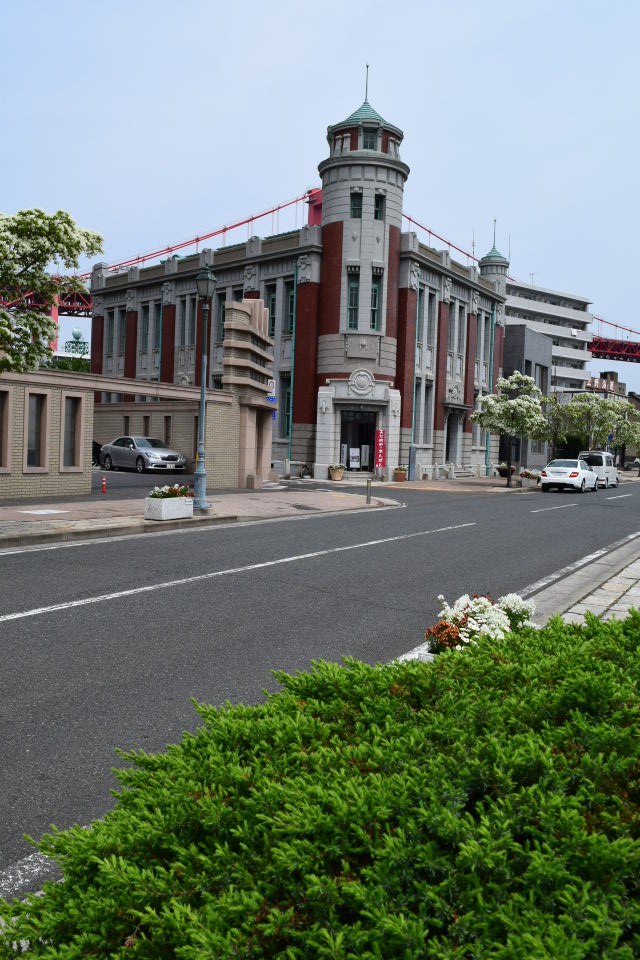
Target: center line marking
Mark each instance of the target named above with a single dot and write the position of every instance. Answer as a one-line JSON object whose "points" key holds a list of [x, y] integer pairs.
{"points": [[562, 506], [620, 496], [221, 573]]}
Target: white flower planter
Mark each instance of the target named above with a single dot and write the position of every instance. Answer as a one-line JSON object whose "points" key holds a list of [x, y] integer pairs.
{"points": [[529, 482], [168, 508]]}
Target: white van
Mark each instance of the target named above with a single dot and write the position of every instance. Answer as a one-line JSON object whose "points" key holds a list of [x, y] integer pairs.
{"points": [[602, 462]]}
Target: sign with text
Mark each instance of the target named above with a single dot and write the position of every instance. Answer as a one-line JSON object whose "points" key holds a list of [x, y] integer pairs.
{"points": [[381, 448]]}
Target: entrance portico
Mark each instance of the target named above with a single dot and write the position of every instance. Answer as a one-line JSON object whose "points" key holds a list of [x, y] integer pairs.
{"points": [[349, 413]]}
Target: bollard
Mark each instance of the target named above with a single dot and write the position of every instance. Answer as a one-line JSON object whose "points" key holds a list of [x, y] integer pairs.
{"points": [[369, 490], [104, 484]]}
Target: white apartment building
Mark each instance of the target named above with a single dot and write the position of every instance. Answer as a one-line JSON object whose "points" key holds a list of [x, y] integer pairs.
{"points": [[562, 317]]}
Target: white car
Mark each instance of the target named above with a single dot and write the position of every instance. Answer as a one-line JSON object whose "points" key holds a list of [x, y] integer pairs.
{"points": [[575, 474]]}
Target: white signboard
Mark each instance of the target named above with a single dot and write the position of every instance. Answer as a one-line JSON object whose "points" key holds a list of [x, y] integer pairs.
{"points": [[354, 458]]}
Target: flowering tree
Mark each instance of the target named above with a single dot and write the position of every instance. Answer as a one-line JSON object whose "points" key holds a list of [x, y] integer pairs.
{"points": [[514, 411], [32, 242], [599, 420]]}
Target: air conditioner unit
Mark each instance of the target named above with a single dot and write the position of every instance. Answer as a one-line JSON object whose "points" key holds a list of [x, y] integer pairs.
{"points": [[574, 332]]}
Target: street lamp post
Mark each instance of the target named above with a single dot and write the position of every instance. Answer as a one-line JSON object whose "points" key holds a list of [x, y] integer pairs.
{"points": [[206, 286]]}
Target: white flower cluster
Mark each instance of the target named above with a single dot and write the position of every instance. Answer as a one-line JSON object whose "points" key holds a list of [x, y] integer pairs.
{"points": [[479, 617]]}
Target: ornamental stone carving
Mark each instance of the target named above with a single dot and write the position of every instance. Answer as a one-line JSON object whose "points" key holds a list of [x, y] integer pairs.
{"points": [[167, 293], [414, 275], [250, 277], [475, 302], [304, 269], [97, 304], [131, 301], [499, 312], [361, 383], [446, 290]]}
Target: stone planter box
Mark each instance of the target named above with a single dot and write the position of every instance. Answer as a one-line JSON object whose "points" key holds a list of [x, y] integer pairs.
{"points": [[168, 508], [336, 473], [399, 475], [529, 482]]}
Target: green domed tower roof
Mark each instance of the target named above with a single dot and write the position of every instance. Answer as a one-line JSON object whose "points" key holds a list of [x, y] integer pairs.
{"points": [[494, 254], [363, 114]]}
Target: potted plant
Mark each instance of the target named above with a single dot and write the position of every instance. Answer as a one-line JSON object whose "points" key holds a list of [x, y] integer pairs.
{"points": [[502, 469], [400, 473], [530, 477], [169, 502], [336, 471]]}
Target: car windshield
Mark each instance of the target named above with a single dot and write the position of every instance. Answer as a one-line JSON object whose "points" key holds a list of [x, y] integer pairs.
{"points": [[563, 463], [150, 442]]}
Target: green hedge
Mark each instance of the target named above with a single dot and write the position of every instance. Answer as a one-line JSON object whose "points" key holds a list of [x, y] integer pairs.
{"points": [[483, 806]]}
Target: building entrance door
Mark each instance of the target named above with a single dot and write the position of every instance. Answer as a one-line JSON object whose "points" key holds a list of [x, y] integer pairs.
{"points": [[357, 438]]}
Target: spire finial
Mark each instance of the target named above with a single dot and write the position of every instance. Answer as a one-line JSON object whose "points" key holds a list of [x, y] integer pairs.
{"points": [[494, 231], [366, 85]]}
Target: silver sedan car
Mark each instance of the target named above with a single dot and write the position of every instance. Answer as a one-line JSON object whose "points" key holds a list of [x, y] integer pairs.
{"points": [[575, 474], [140, 453]]}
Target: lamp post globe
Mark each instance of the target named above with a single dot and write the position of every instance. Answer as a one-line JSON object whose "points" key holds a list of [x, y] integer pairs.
{"points": [[206, 286]]}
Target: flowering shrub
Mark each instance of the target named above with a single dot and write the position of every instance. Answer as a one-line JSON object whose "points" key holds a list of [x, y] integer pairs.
{"points": [[176, 490], [472, 618], [502, 469], [530, 474]]}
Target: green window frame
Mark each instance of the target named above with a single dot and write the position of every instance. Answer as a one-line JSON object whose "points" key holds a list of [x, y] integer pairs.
{"points": [[369, 139], [353, 302], [376, 289], [222, 307], [289, 299], [270, 297], [378, 207], [144, 336], [356, 206], [122, 331]]}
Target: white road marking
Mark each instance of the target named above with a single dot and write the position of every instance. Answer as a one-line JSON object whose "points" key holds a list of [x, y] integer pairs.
{"points": [[620, 496], [207, 528], [34, 869], [42, 513], [576, 565], [165, 585], [561, 507]]}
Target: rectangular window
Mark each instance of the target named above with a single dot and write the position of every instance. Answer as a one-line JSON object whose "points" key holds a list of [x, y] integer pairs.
{"points": [[378, 207], [431, 320], [182, 321], [289, 302], [369, 139], [451, 339], [353, 302], [144, 336], [421, 294], [479, 331], [356, 206], [146, 426], [222, 306], [157, 325], [167, 430], [122, 330], [375, 303], [110, 329], [284, 406], [462, 327], [4, 429], [193, 312], [71, 453], [126, 423], [270, 299], [427, 419], [487, 338], [37, 430]]}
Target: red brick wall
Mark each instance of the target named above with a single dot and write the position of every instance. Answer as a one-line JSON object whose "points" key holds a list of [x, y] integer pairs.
{"points": [[385, 142], [199, 324], [469, 366], [441, 364], [393, 269], [304, 391], [405, 362], [330, 279], [167, 354]]}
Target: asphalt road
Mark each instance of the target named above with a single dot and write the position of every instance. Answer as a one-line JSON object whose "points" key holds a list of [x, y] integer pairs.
{"points": [[141, 627]]}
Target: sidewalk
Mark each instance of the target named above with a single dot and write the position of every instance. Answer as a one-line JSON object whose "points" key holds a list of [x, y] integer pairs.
{"points": [[607, 583]]}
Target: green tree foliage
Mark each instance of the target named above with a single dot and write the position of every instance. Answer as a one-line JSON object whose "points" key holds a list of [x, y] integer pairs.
{"points": [[32, 244], [483, 806], [594, 419], [514, 411]]}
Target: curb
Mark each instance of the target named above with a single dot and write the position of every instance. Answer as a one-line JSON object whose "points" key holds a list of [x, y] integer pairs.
{"points": [[100, 530]]}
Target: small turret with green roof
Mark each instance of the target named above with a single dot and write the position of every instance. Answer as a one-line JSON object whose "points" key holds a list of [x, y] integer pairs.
{"points": [[494, 266]]}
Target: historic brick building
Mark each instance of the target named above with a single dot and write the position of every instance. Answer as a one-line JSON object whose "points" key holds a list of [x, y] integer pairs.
{"points": [[371, 329]]}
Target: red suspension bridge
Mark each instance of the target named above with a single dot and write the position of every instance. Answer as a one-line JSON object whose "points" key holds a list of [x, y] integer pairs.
{"points": [[619, 346]]}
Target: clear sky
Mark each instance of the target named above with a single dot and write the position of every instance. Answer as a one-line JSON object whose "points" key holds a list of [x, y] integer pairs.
{"points": [[152, 122]]}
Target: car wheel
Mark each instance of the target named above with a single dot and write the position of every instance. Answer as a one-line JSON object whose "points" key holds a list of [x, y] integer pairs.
{"points": [[606, 483], [595, 486], [582, 485], [140, 465], [108, 463], [545, 488]]}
